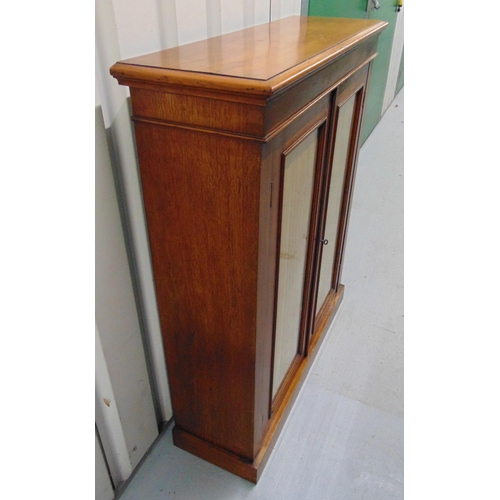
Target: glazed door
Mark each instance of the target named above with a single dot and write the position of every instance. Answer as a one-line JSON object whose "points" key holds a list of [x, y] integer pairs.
{"points": [[338, 183], [316, 175], [300, 175], [298, 183]]}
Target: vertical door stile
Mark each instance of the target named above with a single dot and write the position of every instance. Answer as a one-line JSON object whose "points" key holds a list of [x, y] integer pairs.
{"points": [[338, 183], [316, 224], [323, 201], [351, 163], [306, 154]]}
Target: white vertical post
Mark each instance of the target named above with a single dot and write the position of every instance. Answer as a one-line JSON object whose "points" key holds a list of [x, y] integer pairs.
{"points": [[114, 105], [396, 52], [103, 487], [108, 419]]}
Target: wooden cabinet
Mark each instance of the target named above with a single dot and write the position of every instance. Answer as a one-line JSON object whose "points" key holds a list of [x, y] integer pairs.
{"points": [[247, 148]]}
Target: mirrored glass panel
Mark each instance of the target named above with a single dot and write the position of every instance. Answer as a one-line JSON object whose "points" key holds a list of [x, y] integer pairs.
{"points": [[297, 198], [341, 150]]}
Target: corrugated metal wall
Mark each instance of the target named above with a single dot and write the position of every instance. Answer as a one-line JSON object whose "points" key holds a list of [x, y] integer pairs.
{"points": [[132, 367]]}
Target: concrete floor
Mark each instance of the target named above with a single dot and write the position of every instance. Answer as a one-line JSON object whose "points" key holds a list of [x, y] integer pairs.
{"points": [[344, 437]]}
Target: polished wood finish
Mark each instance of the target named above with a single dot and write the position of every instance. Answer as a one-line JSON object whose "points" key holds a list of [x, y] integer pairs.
{"points": [[260, 60], [214, 123]]}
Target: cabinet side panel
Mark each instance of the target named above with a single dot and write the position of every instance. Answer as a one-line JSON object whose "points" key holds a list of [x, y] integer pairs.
{"points": [[201, 194]]}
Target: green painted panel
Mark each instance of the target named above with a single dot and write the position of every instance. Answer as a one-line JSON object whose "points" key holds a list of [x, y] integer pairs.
{"points": [[338, 8], [401, 74], [380, 68]]}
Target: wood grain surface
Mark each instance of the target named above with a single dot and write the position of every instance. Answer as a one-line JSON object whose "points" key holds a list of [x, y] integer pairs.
{"points": [[259, 60], [214, 122]]}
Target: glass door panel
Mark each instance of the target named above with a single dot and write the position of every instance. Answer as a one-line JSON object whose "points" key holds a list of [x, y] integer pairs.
{"points": [[298, 184], [341, 152]]}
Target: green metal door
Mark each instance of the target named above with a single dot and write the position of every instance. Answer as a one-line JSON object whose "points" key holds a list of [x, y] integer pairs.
{"points": [[358, 9]]}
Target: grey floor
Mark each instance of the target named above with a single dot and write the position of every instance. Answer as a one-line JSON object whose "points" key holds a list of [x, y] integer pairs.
{"points": [[344, 437]]}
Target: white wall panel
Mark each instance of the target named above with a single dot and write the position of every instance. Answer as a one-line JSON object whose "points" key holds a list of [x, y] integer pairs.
{"points": [[110, 95], [116, 314], [137, 27], [249, 13], [107, 418], [232, 15], [117, 120], [191, 20], [395, 61], [167, 23], [103, 486], [262, 10], [290, 8], [214, 18], [275, 10], [284, 8]]}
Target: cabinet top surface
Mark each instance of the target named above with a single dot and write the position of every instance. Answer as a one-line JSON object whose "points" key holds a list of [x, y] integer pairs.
{"points": [[269, 54]]}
